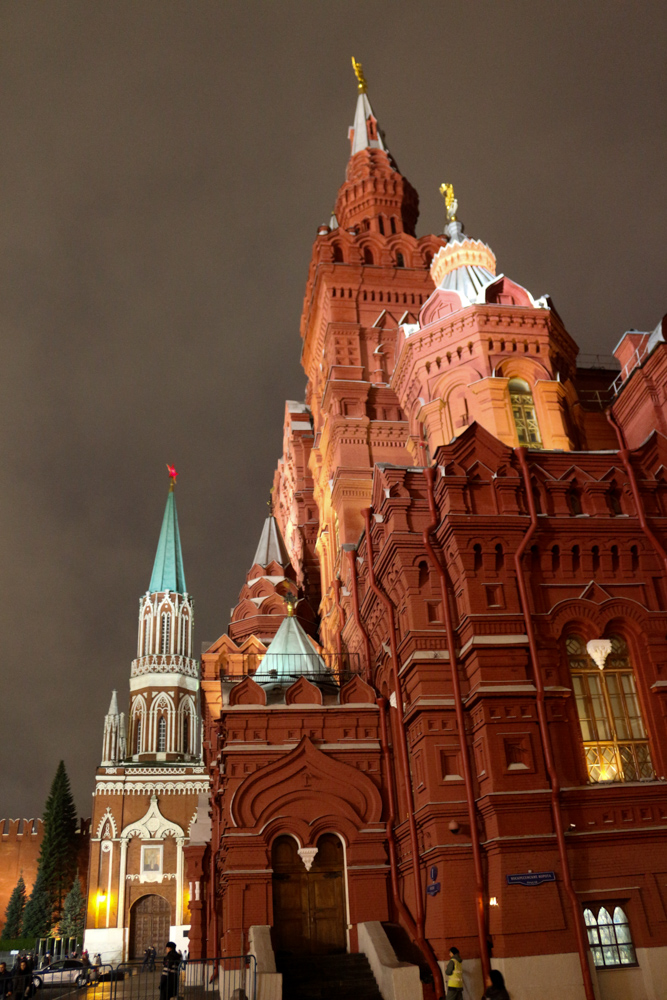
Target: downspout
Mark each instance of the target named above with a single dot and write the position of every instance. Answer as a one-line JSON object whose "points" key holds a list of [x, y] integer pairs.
{"points": [[341, 619], [480, 910], [352, 559], [391, 819], [624, 456], [582, 942], [382, 704], [405, 765]]}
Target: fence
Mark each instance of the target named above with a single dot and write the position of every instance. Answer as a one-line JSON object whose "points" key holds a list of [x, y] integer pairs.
{"points": [[229, 978]]}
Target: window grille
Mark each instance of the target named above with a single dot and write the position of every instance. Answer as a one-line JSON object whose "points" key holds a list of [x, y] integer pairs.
{"points": [[165, 634], [609, 936], [614, 737], [523, 411], [162, 735], [137, 735]]}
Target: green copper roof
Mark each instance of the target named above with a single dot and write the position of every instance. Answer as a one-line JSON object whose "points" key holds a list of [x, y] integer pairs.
{"points": [[168, 572]]}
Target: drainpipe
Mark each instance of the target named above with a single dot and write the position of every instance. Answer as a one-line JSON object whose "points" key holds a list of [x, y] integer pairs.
{"points": [[405, 765], [624, 456], [352, 559], [460, 723], [382, 704], [391, 819], [582, 942], [341, 619]]}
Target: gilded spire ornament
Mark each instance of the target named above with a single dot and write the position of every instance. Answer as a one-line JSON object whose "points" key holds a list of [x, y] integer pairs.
{"points": [[451, 204], [362, 85]]}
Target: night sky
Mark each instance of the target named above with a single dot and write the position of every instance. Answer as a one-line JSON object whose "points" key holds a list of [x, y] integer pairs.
{"points": [[164, 169]]}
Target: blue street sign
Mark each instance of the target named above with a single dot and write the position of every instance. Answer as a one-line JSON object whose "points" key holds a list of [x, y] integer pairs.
{"points": [[433, 872], [531, 878], [433, 889]]}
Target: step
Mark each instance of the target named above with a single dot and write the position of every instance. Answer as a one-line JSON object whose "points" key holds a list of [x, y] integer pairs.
{"points": [[327, 977]]}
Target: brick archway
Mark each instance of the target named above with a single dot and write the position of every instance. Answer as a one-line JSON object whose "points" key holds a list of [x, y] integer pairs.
{"points": [[150, 920], [309, 905]]}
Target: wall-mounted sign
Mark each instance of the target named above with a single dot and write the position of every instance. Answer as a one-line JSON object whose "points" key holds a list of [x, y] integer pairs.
{"points": [[433, 889], [531, 878], [433, 872]]}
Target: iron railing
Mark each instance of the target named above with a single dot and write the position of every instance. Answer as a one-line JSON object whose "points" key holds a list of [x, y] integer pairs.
{"points": [[321, 668]]}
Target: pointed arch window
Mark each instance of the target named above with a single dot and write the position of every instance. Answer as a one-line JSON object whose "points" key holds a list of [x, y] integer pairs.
{"points": [[523, 412], [146, 639], [186, 733], [183, 645], [162, 735], [614, 737], [137, 735], [165, 631], [609, 935]]}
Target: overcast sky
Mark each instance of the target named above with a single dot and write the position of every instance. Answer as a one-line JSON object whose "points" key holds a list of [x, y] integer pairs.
{"points": [[164, 170]]}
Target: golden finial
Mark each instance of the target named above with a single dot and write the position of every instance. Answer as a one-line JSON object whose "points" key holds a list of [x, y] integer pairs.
{"points": [[451, 204], [362, 86]]}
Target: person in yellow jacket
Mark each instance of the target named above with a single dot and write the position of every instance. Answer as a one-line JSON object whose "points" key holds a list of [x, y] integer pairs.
{"points": [[454, 975]]}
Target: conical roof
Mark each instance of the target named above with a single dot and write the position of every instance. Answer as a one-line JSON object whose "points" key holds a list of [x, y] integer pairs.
{"points": [[113, 707], [168, 572], [365, 137], [290, 656], [271, 546]]}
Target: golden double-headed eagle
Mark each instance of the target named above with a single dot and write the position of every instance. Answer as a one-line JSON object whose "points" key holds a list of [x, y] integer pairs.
{"points": [[451, 204], [362, 86]]}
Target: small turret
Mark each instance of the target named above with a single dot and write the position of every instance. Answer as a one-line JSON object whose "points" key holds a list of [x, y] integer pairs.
{"points": [[114, 748]]}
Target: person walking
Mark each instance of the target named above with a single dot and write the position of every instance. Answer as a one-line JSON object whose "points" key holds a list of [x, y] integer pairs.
{"points": [[169, 977], [496, 989], [5, 981], [22, 987], [454, 974]]}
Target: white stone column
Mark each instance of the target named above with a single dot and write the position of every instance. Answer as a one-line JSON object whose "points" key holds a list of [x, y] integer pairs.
{"points": [[121, 881], [180, 841]]}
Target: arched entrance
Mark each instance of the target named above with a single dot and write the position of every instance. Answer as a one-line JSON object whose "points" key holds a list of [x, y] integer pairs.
{"points": [[308, 906], [150, 919]]}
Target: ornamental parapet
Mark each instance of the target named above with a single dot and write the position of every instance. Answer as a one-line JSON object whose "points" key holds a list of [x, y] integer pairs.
{"points": [[164, 664]]}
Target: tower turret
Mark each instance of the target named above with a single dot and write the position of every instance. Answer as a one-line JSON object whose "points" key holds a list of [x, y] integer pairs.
{"points": [[113, 749]]}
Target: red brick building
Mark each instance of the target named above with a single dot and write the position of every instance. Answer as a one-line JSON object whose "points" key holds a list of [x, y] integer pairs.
{"points": [[472, 748]]}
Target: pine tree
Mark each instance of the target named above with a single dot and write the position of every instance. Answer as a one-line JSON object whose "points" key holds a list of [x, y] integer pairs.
{"points": [[14, 911], [37, 916], [71, 925], [57, 859]]}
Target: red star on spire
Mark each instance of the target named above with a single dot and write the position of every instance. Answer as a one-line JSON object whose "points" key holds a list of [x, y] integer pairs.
{"points": [[173, 475]]}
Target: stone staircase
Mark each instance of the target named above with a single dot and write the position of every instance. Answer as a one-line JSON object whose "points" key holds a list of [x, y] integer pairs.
{"points": [[327, 977]]}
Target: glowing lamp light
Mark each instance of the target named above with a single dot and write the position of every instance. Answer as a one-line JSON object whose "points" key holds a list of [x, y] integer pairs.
{"points": [[101, 897], [493, 901], [599, 650]]}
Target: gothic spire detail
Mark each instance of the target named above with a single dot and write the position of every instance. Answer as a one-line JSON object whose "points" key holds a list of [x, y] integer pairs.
{"points": [[271, 546], [168, 572]]}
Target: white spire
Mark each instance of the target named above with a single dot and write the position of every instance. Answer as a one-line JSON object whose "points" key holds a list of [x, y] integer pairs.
{"points": [[366, 133], [113, 707]]}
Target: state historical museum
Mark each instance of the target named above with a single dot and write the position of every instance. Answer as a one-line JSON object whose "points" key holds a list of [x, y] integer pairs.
{"points": [[437, 715]]}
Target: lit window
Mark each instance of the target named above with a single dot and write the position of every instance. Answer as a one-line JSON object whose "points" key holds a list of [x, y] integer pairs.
{"points": [[162, 735], [165, 633], [523, 411], [615, 740], [609, 936]]}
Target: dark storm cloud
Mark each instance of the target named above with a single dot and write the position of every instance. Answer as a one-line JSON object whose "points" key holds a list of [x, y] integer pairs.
{"points": [[164, 167]]}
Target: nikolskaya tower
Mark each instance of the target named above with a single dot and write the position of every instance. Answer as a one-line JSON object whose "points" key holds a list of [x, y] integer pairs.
{"points": [[151, 779]]}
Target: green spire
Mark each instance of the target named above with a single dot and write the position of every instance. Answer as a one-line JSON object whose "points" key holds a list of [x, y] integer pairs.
{"points": [[168, 572]]}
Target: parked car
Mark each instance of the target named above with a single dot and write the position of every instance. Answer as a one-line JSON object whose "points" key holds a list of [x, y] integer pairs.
{"points": [[63, 972]]}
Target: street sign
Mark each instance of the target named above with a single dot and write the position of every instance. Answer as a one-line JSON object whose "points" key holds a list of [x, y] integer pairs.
{"points": [[433, 889], [531, 878]]}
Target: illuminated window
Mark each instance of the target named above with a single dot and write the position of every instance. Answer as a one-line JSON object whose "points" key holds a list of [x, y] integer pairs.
{"points": [[609, 936], [162, 735], [523, 411], [165, 633], [615, 740]]}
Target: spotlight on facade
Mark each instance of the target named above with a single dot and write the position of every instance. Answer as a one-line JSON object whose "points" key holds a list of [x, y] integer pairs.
{"points": [[454, 827], [493, 901]]}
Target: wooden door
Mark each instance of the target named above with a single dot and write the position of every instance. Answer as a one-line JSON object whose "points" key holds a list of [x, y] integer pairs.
{"points": [[150, 919], [308, 907]]}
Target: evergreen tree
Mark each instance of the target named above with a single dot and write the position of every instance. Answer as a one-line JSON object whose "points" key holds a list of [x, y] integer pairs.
{"points": [[37, 916], [14, 911], [71, 925], [57, 859]]}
